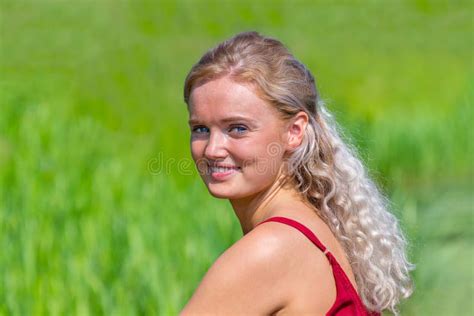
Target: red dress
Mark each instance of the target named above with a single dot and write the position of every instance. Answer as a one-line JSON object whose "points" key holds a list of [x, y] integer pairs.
{"points": [[348, 302]]}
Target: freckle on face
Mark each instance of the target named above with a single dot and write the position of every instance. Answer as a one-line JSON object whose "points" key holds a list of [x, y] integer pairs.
{"points": [[213, 102]]}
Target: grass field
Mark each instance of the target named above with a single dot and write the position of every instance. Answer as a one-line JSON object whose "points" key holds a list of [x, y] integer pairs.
{"points": [[92, 220]]}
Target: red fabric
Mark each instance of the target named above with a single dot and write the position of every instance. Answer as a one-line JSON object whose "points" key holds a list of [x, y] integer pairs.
{"points": [[348, 302]]}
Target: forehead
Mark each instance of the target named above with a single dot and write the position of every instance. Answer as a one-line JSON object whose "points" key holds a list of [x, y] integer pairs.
{"points": [[223, 97]]}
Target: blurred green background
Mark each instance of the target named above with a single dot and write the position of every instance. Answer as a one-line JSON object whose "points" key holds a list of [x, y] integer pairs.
{"points": [[93, 222]]}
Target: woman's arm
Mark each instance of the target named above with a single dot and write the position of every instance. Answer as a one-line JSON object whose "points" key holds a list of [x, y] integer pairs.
{"points": [[247, 279]]}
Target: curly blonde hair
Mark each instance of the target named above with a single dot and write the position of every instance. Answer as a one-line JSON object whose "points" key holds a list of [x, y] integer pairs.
{"points": [[324, 168]]}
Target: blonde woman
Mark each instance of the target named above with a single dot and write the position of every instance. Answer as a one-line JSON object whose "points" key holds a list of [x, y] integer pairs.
{"points": [[318, 238]]}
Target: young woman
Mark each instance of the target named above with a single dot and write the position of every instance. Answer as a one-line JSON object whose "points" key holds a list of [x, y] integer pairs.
{"points": [[318, 238]]}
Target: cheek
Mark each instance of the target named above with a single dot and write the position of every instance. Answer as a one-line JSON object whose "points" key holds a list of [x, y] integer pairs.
{"points": [[266, 168], [263, 161], [197, 152]]}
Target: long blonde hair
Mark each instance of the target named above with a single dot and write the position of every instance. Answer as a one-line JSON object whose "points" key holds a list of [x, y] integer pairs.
{"points": [[325, 169]]}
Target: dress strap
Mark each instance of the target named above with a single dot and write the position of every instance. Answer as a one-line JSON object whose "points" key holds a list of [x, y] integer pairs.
{"points": [[303, 229]]}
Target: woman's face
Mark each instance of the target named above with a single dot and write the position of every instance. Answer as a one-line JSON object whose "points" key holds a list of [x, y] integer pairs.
{"points": [[237, 139]]}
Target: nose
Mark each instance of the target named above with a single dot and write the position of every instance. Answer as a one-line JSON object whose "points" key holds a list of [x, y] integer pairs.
{"points": [[215, 147]]}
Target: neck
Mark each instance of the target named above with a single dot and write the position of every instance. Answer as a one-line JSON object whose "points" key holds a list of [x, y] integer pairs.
{"points": [[255, 209]]}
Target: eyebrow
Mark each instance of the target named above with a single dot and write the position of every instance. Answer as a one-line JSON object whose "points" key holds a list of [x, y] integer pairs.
{"points": [[226, 120]]}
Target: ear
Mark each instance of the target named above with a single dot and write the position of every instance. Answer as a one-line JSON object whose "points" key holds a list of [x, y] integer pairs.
{"points": [[296, 130]]}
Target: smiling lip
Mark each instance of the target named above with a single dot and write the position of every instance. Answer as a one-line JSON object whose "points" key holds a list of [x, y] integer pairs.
{"points": [[221, 172], [223, 165]]}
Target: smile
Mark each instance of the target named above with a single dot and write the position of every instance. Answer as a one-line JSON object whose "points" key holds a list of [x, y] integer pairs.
{"points": [[221, 173]]}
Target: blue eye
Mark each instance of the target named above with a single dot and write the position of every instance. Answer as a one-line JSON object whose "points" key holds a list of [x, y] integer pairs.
{"points": [[200, 129], [239, 129]]}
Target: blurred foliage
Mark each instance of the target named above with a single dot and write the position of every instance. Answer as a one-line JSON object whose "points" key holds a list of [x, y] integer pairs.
{"points": [[92, 220]]}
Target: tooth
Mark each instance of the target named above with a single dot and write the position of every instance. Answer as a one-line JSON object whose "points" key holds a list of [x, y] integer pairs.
{"points": [[222, 169]]}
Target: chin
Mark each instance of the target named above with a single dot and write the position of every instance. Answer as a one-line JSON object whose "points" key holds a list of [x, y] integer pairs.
{"points": [[219, 194], [223, 193]]}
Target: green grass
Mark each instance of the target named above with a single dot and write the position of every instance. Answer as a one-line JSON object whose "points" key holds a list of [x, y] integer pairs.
{"points": [[91, 96]]}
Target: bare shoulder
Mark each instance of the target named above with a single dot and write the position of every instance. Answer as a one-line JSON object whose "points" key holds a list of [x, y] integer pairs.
{"points": [[248, 278]]}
